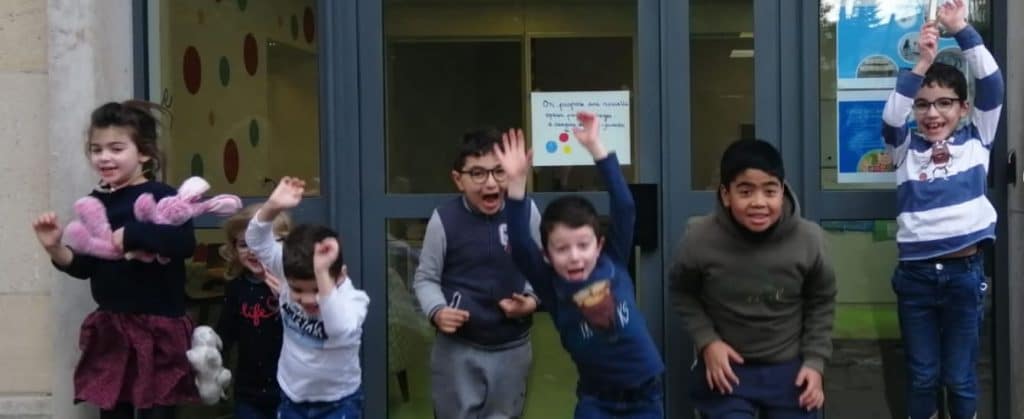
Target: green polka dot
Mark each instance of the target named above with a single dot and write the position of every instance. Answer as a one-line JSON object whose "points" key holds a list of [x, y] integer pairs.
{"points": [[295, 27], [242, 5], [225, 71], [254, 133], [197, 165]]}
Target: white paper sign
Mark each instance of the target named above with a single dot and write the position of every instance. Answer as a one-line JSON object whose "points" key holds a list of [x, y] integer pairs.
{"points": [[554, 116]]}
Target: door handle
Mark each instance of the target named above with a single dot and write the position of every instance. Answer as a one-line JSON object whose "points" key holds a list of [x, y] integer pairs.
{"points": [[645, 227], [1011, 167]]}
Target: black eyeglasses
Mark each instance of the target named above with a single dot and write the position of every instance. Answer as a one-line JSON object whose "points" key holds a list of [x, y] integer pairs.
{"points": [[479, 174], [941, 104]]}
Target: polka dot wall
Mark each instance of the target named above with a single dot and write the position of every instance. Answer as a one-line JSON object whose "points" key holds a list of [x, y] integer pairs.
{"points": [[213, 65]]}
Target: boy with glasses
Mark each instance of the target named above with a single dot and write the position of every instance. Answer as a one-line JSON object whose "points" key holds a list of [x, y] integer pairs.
{"points": [[944, 215], [470, 289]]}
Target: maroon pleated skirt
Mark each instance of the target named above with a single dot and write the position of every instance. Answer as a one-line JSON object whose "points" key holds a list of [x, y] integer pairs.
{"points": [[134, 358]]}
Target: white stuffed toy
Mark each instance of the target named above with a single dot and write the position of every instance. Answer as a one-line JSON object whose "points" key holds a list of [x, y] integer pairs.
{"points": [[211, 376]]}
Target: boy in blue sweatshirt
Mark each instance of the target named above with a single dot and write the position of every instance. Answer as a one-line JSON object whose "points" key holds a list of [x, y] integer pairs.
{"points": [[584, 282]]}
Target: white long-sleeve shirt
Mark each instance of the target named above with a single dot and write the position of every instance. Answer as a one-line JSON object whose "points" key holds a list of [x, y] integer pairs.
{"points": [[320, 353]]}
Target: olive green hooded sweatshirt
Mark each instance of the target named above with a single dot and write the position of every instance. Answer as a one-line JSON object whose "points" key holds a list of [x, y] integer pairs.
{"points": [[770, 296]]}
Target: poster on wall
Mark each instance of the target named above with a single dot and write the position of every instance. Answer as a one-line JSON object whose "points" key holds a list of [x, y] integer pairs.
{"points": [[875, 39], [861, 151], [553, 115]]}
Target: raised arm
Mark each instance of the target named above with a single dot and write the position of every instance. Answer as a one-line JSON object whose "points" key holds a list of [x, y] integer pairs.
{"points": [[989, 85], [342, 305], [623, 210], [515, 160], [260, 233], [901, 100]]}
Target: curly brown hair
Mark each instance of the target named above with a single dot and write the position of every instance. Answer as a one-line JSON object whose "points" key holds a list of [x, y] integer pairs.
{"points": [[235, 225]]}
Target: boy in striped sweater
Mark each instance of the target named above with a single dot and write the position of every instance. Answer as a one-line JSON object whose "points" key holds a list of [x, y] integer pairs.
{"points": [[944, 215]]}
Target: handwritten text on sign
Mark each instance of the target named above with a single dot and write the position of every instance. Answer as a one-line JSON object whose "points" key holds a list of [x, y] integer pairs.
{"points": [[554, 116]]}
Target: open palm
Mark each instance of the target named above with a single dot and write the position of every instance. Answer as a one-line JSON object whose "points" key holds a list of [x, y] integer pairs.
{"points": [[288, 193], [953, 15], [512, 154], [587, 134]]}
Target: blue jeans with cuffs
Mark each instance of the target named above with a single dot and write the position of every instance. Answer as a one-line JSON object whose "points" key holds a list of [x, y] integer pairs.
{"points": [[941, 308]]}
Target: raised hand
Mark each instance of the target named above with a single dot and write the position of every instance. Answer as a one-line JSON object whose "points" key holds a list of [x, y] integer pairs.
{"points": [[287, 194], [324, 254], [518, 305], [813, 397], [952, 15], [515, 161], [718, 357], [48, 230], [588, 134], [927, 47]]}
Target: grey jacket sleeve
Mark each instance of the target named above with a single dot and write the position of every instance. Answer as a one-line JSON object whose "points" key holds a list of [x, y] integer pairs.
{"points": [[535, 233], [427, 280]]}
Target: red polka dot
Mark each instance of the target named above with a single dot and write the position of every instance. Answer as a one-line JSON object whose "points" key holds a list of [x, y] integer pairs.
{"points": [[250, 54], [563, 137], [192, 70], [231, 160], [308, 25]]}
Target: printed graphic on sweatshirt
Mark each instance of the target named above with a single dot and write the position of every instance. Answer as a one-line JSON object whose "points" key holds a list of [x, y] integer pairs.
{"points": [[600, 309], [503, 236], [261, 311], [304, 329]]}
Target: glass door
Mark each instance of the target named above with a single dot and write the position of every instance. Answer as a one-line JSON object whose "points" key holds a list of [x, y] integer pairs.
{"points": [[432, 70], [851, 192], [725, 64]]}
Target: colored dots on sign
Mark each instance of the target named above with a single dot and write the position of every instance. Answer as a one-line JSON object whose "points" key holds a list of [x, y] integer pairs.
{"points": [[567, 149], [196, 165], [563, 137], [254, 133], [308, 25], [225, 71], [551, 146], [231, 161], [250, 54], [192, 70]]}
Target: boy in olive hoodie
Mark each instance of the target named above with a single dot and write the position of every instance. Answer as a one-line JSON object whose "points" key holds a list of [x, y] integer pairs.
{"points": [[756, 292]]}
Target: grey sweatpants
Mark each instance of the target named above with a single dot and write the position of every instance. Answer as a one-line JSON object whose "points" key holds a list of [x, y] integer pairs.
{"points": [[472, 383]]}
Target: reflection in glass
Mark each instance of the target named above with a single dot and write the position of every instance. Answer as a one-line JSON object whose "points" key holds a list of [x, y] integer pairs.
{"points": [[445, 77], [873, 75], [241, 81], [551, 386], [721, 83], [866, 376]]}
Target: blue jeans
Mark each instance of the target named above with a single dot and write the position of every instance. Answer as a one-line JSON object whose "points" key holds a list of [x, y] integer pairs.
{"points": [[766, 391], [348, 407], [644, 402], [245, 410], [941, 306]]}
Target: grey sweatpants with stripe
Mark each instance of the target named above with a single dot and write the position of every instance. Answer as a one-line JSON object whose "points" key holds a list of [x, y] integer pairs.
{"points": [[472, 383]]}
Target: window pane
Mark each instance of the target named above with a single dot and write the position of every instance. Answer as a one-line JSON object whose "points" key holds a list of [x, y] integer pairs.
{"points": [[863, 46], [866, 376], [721, 83], [241, 81], [459, 65]]}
